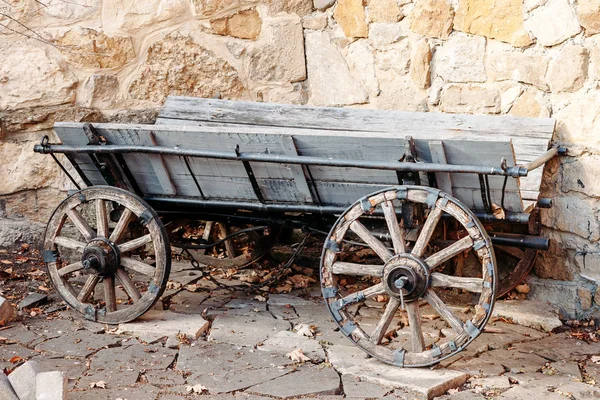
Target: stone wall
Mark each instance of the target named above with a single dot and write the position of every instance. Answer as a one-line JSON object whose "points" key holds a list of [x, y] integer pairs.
{"points": [[89, 59]]}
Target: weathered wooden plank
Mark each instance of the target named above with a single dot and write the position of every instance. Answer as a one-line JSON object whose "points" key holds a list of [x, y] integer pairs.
{"points": [[297, 171], [438, 156]]}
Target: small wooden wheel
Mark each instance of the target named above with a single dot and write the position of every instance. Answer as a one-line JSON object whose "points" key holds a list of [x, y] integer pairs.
{"points": [[92, 249], [407, 274], [238, 252]]}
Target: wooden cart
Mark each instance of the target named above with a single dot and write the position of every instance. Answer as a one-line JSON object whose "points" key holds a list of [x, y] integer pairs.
{"points": [[433, 198]]}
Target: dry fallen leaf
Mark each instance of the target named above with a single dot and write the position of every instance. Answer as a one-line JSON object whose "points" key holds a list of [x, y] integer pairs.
{"points": [[15, 359], [430, 317], [297, 356], [595, 359], [196, 389], [99, 384], [7, 262], [260, 298], [306, 330]]}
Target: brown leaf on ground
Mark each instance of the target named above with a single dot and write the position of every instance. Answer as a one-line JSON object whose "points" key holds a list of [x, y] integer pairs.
{"points": [[297, 356], [99, 385], [301, 281]]}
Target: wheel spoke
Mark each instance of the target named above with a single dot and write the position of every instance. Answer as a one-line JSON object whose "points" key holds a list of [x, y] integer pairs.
{"points": [[110, 296], [384, 322], [88, 288], [361, 295], [427, 232], [453, 250], [128, 284], [69, 243], [138, 266], [396, 231], [135, 243], [444, 312], [474, 285], [81, 224], [229, 247], [414, 323], [116, 234], [70, 268], [371, 240], [346, 268], [101, 218]]}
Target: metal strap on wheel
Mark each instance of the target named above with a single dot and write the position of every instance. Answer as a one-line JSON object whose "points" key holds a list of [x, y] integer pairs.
{"points": [[472, 330], [399, 357]]}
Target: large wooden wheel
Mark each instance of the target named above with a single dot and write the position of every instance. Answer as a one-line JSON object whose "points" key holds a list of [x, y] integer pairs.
{"points": [[407, 274], [107, 254]]}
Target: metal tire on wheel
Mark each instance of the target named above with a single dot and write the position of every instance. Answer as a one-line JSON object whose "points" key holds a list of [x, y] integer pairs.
{"points": [[103, 263], [408, 275]]}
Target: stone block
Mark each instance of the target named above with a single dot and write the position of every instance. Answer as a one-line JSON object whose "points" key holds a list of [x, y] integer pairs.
{"points": [[285, 342], [568, 71], [7, 311], [334, 85], [460, 59], [495, 19], [316, 21], [571, 213], [384, 11], [51, 385], [244, 24], [310, 381], [562, 295], [23, 380], [361, 60], [155, 325], [323, 4], [6, 390], [534, 314], [127, 16], [32, 300], [94, 49], [383, 35], [420, 64], [528, 67], [100, 91], [470, 99], [245, 330], [71, 10], [529, 105], [350, 15], [587, 13], [432, 18], [553, 23]]}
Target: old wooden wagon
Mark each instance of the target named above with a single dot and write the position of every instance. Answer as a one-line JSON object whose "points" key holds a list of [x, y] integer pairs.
{"points": [[444, 204]]}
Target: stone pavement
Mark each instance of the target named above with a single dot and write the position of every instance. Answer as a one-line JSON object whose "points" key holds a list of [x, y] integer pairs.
{"points": [[213, 343]]}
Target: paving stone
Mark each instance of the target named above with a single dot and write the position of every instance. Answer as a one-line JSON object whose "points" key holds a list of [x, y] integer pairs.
{"points": [[283, 312], [51, 385], [134, 356], [285, 341], [8, 351], [463, 395], [7, 311], [145, 392], [246, 304], [560, 347], [186, 302], [23, 382], [534, 314], [306, 381], [18, 333], [568, 368], [497, 362], [170, 396], [313, 313], [155, 325], [245, 330], [164, 378], [73, 367], [6, 390], [51, 329], [114, 377], [529, 393], [494, 382], [288, 299], [185, 277], [230, 381], [345, 356], [77, 344], [32, 300], [424, 382], [354, 388]]}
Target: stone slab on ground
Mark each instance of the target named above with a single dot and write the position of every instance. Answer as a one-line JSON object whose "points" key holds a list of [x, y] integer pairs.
{"points": [[186, 302], [144, 392], [285, 342], [77, 344], [345, 356], [560, 347], [73, 367], [534, 314], [288, 299], [497, 362], [493, 382], [245, 330], [230, 381], [23, 381], [246, 304], [164, 378], [7, 311], [51, 385], [424, 382], [6, 390], [134, 356], [311, 381], [155, 325], [32, 300], [355, 388], [114, 377]]}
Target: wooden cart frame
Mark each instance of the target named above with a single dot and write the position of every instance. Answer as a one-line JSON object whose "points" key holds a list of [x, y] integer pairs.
{"points": [[344, 169]]}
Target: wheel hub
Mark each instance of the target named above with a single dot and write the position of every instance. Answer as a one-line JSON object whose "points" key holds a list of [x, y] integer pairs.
{"points": [[102, 256], [407, 276]]}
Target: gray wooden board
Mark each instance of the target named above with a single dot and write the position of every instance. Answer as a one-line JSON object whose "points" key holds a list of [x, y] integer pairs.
{"points": [[223, 179], [530, 136]]}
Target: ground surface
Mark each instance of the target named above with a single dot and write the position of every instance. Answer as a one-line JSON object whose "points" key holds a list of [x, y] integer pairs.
{"points": [[244, 345]]}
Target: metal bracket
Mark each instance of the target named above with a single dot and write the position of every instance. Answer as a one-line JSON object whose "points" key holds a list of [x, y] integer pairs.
{"points": [[471, 223], [366, 205], [332, 245], [399, 357], [90, 313], [471, 329], [486, 306], [410, 155], [50, 256], [487, 284], [432, 197], [348, 328], [480, 244], [444, 201], [452, 345], [153, 288], [329, 292], [490, 269], [436, 351], [402, 193], [146, 217]]}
